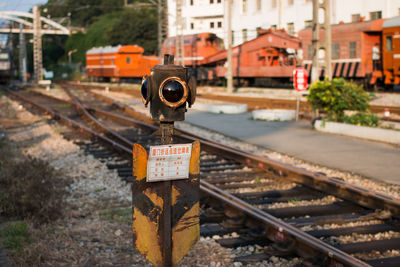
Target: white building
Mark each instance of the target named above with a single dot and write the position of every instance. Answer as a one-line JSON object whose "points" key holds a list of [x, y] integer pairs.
{"points": [[249, 15]]}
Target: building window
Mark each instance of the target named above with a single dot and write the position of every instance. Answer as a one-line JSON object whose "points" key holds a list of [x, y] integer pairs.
{"points": [[308, 24], [389, 45], [375, 15], [258, 5], [211, 1], [273, 3], [355, 17], [219, 24], [219, 1], [244, 6], [353, 50], [290, 28], [191, 2], [309, 51], [290, 2], [335, 51], [212, 25], [244, 35], [192, 25], [273, 26]]}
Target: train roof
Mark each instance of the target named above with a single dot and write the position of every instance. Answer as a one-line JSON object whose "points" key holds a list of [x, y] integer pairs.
{"points": [[115, 49], [393, 22], [362, 26]]}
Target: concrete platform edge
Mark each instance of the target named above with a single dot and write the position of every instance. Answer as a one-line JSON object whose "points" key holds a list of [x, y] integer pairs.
{"points": [[369, 133]]}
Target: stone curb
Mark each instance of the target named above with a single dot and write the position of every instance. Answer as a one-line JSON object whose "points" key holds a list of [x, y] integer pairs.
{"points": [[222, 108], [370, 133], [274, 114]]}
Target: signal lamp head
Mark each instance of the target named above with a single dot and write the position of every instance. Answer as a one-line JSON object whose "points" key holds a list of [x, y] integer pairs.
{"points": [[145, 90], [173, 92]]}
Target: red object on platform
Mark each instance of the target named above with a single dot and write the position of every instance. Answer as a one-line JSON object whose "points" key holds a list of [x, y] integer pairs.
{"points": [[300, 79]]}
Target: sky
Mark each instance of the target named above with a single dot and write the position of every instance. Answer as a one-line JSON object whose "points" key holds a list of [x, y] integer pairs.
{"points": [[16, 5], [19, 5]]}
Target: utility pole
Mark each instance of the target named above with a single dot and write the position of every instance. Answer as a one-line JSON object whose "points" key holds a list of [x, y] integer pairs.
{"points": [[37, 45], [229, 72], [327, 46], [280, 14], [315, 42], [317, 45], [22, 54], [179, 46], [160, 26]]}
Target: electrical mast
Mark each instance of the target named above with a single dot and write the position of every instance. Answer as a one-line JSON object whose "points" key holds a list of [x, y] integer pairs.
{"points": [[179, 46], [37, 45], [326, 45]]}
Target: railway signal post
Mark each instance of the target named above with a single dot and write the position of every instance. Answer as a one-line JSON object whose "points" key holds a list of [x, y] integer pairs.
{"points": [[300, 83], [165, 188]]}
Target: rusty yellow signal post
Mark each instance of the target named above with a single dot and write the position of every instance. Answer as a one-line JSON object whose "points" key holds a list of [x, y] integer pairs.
{"points": [[165, 188]]}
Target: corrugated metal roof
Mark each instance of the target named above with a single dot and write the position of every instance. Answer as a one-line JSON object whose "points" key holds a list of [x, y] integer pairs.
{"points": [[106, 49], [393, 22]]}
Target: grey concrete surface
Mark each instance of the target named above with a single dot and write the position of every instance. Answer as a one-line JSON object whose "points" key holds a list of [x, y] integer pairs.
{"points": [[371, 159]]}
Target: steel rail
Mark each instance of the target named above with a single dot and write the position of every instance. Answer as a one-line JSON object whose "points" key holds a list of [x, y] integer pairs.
{"points": [[253, 102], [266, 218], [300, 236], [330, 185]]}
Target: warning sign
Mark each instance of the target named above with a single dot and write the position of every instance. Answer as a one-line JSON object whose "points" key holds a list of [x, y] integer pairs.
{"points": [[168, 162]]}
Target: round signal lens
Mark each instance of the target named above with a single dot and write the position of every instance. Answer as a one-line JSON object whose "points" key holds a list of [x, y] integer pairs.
{"points": [[145, 90], [173, 92]]}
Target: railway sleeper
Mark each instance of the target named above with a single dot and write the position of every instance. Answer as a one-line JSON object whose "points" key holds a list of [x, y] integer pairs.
{"points": [[329, 209]]}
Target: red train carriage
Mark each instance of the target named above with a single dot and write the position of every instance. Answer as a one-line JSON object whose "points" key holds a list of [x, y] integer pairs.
{"points": [[196, 47], [390, 52], [119, 62], [270, 57], [352, 45]]}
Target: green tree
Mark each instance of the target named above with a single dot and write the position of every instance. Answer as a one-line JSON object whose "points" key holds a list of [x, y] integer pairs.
{"points": [[136, 26], [96, 36]]}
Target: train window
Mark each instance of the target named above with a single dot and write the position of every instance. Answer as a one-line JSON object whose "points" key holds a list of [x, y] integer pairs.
{"points": [[335, 51], [3, 56], [353, 51], [128, 60], [389, 44], [198, 39]]}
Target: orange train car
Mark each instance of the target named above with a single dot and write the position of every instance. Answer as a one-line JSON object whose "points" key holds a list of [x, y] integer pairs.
{"points": [[270, 58], [197, 47], [390, 72], [352, 50], [118, 63]]}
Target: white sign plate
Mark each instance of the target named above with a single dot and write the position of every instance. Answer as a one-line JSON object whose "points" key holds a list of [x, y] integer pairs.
{"points": [[168, 162]]}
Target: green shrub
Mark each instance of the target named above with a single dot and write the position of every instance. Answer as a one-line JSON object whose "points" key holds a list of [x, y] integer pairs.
{"points": [[363, 119], [29, 187], [14, 235], [336, 96]]}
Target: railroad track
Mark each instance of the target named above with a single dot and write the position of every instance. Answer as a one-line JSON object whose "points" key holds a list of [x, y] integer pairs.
{"points": [[252, 102], [247, 199]]}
